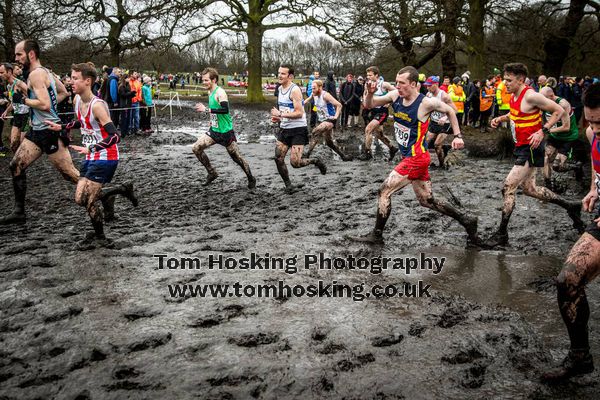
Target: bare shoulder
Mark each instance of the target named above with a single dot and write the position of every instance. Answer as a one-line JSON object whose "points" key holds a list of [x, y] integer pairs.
{"points": [[221, 94], [296, 93]]}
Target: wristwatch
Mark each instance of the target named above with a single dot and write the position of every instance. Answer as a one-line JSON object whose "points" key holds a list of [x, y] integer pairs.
{"points": [[545, 130], [459, 136]]}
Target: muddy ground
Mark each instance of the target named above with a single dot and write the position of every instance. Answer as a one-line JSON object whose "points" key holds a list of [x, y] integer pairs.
{"points": [[100, 324]]}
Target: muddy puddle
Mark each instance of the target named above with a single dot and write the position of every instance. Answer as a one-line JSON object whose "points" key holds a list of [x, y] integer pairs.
{"points": [[101, 323]]}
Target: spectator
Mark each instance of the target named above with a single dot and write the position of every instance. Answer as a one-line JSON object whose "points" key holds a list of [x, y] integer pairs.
{"points": [[347, 92], [330, 85], [112, 93], [486, 101], [125, 96], [146, 110]]}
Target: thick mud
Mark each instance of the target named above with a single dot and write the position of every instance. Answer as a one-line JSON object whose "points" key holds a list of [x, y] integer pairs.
{"points": [[101, 324]]}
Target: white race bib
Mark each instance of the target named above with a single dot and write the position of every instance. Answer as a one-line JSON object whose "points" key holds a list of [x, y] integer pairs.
{"points": [[286, 110], [88, 137], [214, 121], [402, 134]]}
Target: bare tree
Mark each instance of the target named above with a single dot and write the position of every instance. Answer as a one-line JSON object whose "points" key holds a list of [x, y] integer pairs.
{"points": [[122, 25], [253, 18], [409, 26], [27, 19]]}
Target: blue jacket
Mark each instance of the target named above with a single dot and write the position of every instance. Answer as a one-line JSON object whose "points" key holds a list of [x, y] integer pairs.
{"points": [[113, 87]]}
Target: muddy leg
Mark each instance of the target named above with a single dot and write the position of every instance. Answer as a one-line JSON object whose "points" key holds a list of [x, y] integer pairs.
{"points": [[86, 195], [393, 183], [386, 141], [439, 148], [424, 194], [581, 267], [26, 154], [333, 145], [549, 159], [62, 161], [315, 137], [234, 152], [204, 142], [280, 151], [297, 161], [541, 193], [369, 131], [15, 139], [517, 174]]}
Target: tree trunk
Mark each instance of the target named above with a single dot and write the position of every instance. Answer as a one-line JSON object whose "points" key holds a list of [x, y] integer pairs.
{"points": [[557, 45], [452, 10], [8, 22], [255, 33], [476, 39]]}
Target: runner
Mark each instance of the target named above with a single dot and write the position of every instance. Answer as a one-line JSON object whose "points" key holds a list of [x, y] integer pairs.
{"points": [[583, 262], [328, 112], [439, 124], [45, 92], [376, 117], [99, 136], [293, 129], [20, 120], [221, 129], [412, 111], [562, 137], [528, 133]]}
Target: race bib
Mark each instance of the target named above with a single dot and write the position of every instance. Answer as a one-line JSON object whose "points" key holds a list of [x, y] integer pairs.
{"points": [[287, 110], [513, 130], [214, 121], [402, 134], [88, 137], [436, 116]]}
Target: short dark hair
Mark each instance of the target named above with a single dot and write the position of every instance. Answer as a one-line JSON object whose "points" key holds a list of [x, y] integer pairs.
{"points": [[591, 96], [7, 66], [413, 74], [212, 73], [517, 69], [374, 70], [29, 45], [289, 68], [88, 70]]}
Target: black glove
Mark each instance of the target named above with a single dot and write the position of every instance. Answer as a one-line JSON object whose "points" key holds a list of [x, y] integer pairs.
{"points": [[17, 98]]}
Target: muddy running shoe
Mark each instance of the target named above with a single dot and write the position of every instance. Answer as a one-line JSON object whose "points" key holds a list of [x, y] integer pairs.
{"points": [[289, 188], [498, 239], [209, 178], [574, 212], [393, 152], [130, 194], [574, 364], [373, 237], [91, 241], [251, 182], [347, 157], [13, 218], [3, 151], [321, 165], [365, 157]]}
